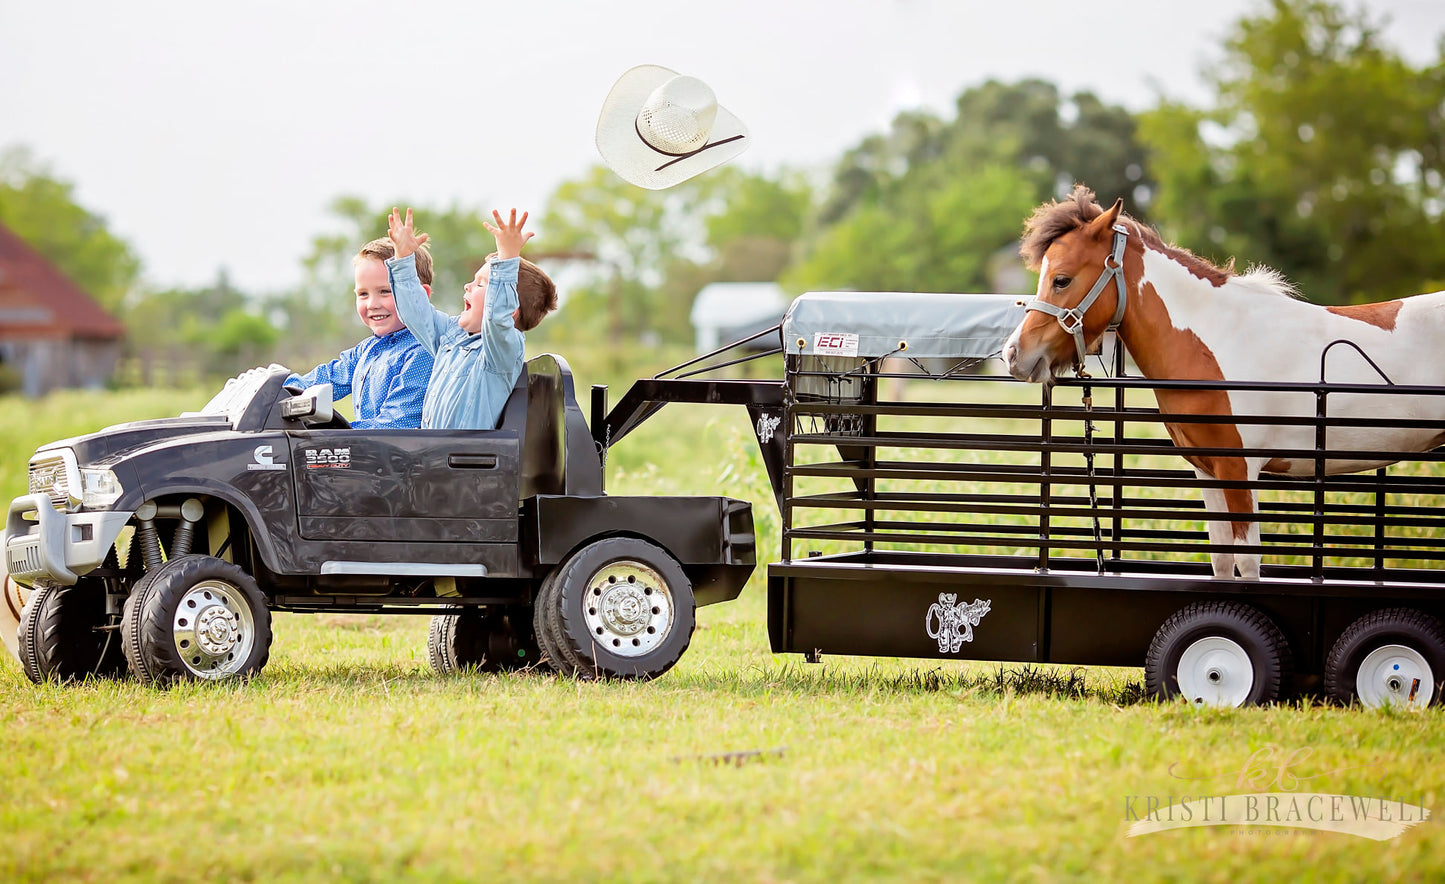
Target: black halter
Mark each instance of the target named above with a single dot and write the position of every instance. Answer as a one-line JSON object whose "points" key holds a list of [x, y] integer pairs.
{"points": [[1071, 319]]}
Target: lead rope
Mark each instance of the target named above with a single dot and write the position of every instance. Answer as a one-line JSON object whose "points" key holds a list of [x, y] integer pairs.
{"points": [[1089, 471]]}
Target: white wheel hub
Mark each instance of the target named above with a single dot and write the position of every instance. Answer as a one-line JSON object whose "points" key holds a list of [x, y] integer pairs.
{"points": [[1395, 675], [1215, 671]]}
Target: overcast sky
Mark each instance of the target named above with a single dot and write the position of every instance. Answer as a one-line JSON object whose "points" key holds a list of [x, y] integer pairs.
{"points": [[214, 134]]}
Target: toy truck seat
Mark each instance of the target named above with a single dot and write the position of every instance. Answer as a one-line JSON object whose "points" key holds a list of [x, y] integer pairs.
{"points": [[558, 455]]}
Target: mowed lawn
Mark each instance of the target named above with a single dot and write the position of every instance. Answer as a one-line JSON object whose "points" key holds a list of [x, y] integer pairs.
{"points": [[349, 759]]}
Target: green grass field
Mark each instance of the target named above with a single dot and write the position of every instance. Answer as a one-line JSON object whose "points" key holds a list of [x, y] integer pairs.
{"points": [[349, 759]]}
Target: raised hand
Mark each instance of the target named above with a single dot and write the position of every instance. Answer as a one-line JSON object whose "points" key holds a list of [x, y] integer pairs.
{"points": [[404, 237], [509, 234]]}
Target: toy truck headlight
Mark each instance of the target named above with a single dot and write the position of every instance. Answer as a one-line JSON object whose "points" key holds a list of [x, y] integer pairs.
{"points": [[99, 488]]}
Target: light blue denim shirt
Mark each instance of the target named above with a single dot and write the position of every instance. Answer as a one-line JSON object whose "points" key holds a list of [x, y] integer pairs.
{"points": [[472, 375]]}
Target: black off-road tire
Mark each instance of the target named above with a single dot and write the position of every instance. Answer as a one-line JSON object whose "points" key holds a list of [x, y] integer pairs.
{"points": [[547, 623], [196, 618], [1249, 647], [58, 637], [1422, 638], [625, 609], [487, 641]]}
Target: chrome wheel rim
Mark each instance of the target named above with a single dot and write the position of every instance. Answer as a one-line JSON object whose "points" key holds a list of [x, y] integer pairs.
{"points": [[1395, 675], [628, 608], [214, 629], [1215, 671]]}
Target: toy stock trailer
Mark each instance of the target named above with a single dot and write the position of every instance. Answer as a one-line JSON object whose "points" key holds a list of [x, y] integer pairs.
{"points": [[933, 508]]}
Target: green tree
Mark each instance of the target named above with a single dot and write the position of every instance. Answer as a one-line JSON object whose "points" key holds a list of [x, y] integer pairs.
{"points": [[42, 210], [931, 204], [1321, 158], [649, 252]]}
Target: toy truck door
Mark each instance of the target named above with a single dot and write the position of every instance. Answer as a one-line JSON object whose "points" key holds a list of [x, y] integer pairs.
{"points": [[427, 486]]}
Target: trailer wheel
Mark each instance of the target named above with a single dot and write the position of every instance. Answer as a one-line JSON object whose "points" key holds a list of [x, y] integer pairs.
{"points": [[60, 635], [196, 618], [487, 641], [1394, 656], [1218, 654], [625, 609]]}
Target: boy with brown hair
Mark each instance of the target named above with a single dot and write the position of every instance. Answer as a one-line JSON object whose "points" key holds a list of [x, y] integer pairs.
{"points": [[478, 354], [386, 374]]}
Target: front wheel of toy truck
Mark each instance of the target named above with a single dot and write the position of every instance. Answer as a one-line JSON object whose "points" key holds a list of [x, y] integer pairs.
{"points": [[196, 618], [489, 641], [65, 634], [624, 609]]}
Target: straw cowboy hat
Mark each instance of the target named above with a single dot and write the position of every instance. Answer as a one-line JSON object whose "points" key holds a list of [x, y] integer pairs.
{"points": [[659, 128]]}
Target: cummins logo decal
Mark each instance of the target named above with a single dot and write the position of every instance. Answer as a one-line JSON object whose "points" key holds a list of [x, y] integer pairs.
{"points": [[951, 624], [327, 458], [263, 459]]}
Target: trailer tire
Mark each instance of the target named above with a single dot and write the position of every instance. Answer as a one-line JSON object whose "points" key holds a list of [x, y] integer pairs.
{"points": [[484, 641], [626, 609], [1391, 656], [1218, 654], [58, 637], [196, 618]]}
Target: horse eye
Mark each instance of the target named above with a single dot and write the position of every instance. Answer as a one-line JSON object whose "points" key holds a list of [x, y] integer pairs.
{"points": [[1062, 282]]}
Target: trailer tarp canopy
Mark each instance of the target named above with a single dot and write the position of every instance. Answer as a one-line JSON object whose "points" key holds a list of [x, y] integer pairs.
{"points": [[917, 324]]}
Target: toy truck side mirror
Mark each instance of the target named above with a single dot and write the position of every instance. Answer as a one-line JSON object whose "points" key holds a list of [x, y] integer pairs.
{"points": [[311, 407]]}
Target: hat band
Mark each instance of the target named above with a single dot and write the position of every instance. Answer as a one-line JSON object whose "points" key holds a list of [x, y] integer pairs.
{"points": [[680, 156]]}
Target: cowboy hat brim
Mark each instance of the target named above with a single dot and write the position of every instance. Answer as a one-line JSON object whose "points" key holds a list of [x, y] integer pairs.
{"points": [[632, 158]]}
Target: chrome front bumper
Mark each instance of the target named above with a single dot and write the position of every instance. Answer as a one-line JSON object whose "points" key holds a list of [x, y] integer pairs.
{"points": [[53, 546]]}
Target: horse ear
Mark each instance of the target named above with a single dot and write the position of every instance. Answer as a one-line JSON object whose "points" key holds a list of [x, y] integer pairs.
{"points": [[1112, 215], [1099, 227]]}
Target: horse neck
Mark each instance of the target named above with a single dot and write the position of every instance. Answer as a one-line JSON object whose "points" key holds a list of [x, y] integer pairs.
{"points": [[1155, 340]]}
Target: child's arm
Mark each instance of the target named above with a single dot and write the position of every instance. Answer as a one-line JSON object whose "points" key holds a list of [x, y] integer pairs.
{"points": [[505, 344], [338, 373], [425, 321]]}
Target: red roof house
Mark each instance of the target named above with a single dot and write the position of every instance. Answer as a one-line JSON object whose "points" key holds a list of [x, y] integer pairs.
{"points": [[52, 334]]}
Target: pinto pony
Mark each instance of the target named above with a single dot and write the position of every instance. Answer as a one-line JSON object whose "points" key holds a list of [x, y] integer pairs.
{"points": [[1182, 318]]}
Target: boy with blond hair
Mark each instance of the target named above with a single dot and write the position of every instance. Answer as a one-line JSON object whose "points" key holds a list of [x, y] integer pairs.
{"points": [[386, 374], [477, 354]]}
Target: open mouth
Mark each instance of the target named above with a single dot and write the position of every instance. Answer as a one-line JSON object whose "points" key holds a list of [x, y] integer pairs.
{"points": [[378, 317]]}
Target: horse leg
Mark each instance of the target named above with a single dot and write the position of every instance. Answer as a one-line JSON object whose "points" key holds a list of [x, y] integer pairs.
{"points": [[1221, 533], [1246, 533], [1219, 501]]}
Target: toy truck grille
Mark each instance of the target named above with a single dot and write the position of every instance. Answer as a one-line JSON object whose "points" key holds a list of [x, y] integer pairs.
{"points": [[56, 476]]}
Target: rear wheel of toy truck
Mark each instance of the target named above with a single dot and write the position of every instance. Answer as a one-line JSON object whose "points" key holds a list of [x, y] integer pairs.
{"points": [[196, 617], [62, 634], [625, 608], [489, 641], [1391, 657], [1218, 654], [546, 625]]}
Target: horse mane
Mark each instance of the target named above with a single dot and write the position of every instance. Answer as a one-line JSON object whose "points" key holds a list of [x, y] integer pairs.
{"points": [[1055, 219]]}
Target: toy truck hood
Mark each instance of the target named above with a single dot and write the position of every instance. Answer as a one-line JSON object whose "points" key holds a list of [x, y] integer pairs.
{"points": [[121, 439]]}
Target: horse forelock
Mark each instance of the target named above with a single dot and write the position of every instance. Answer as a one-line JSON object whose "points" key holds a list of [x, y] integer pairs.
{"points": [[1054, 219]]}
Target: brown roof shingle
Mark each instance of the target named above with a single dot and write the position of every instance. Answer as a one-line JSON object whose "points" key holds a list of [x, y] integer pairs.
{"points": [[37, 300]]}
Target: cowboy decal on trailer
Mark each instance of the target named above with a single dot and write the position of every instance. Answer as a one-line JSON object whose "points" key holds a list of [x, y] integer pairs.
{"points": [[951, 624]]}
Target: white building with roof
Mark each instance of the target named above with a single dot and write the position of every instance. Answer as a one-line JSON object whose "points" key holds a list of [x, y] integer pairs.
{"points": [[724, 312]]}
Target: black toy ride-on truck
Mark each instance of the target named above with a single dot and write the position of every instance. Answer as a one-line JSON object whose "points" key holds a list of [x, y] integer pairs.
{"points": [[162, 546]]}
